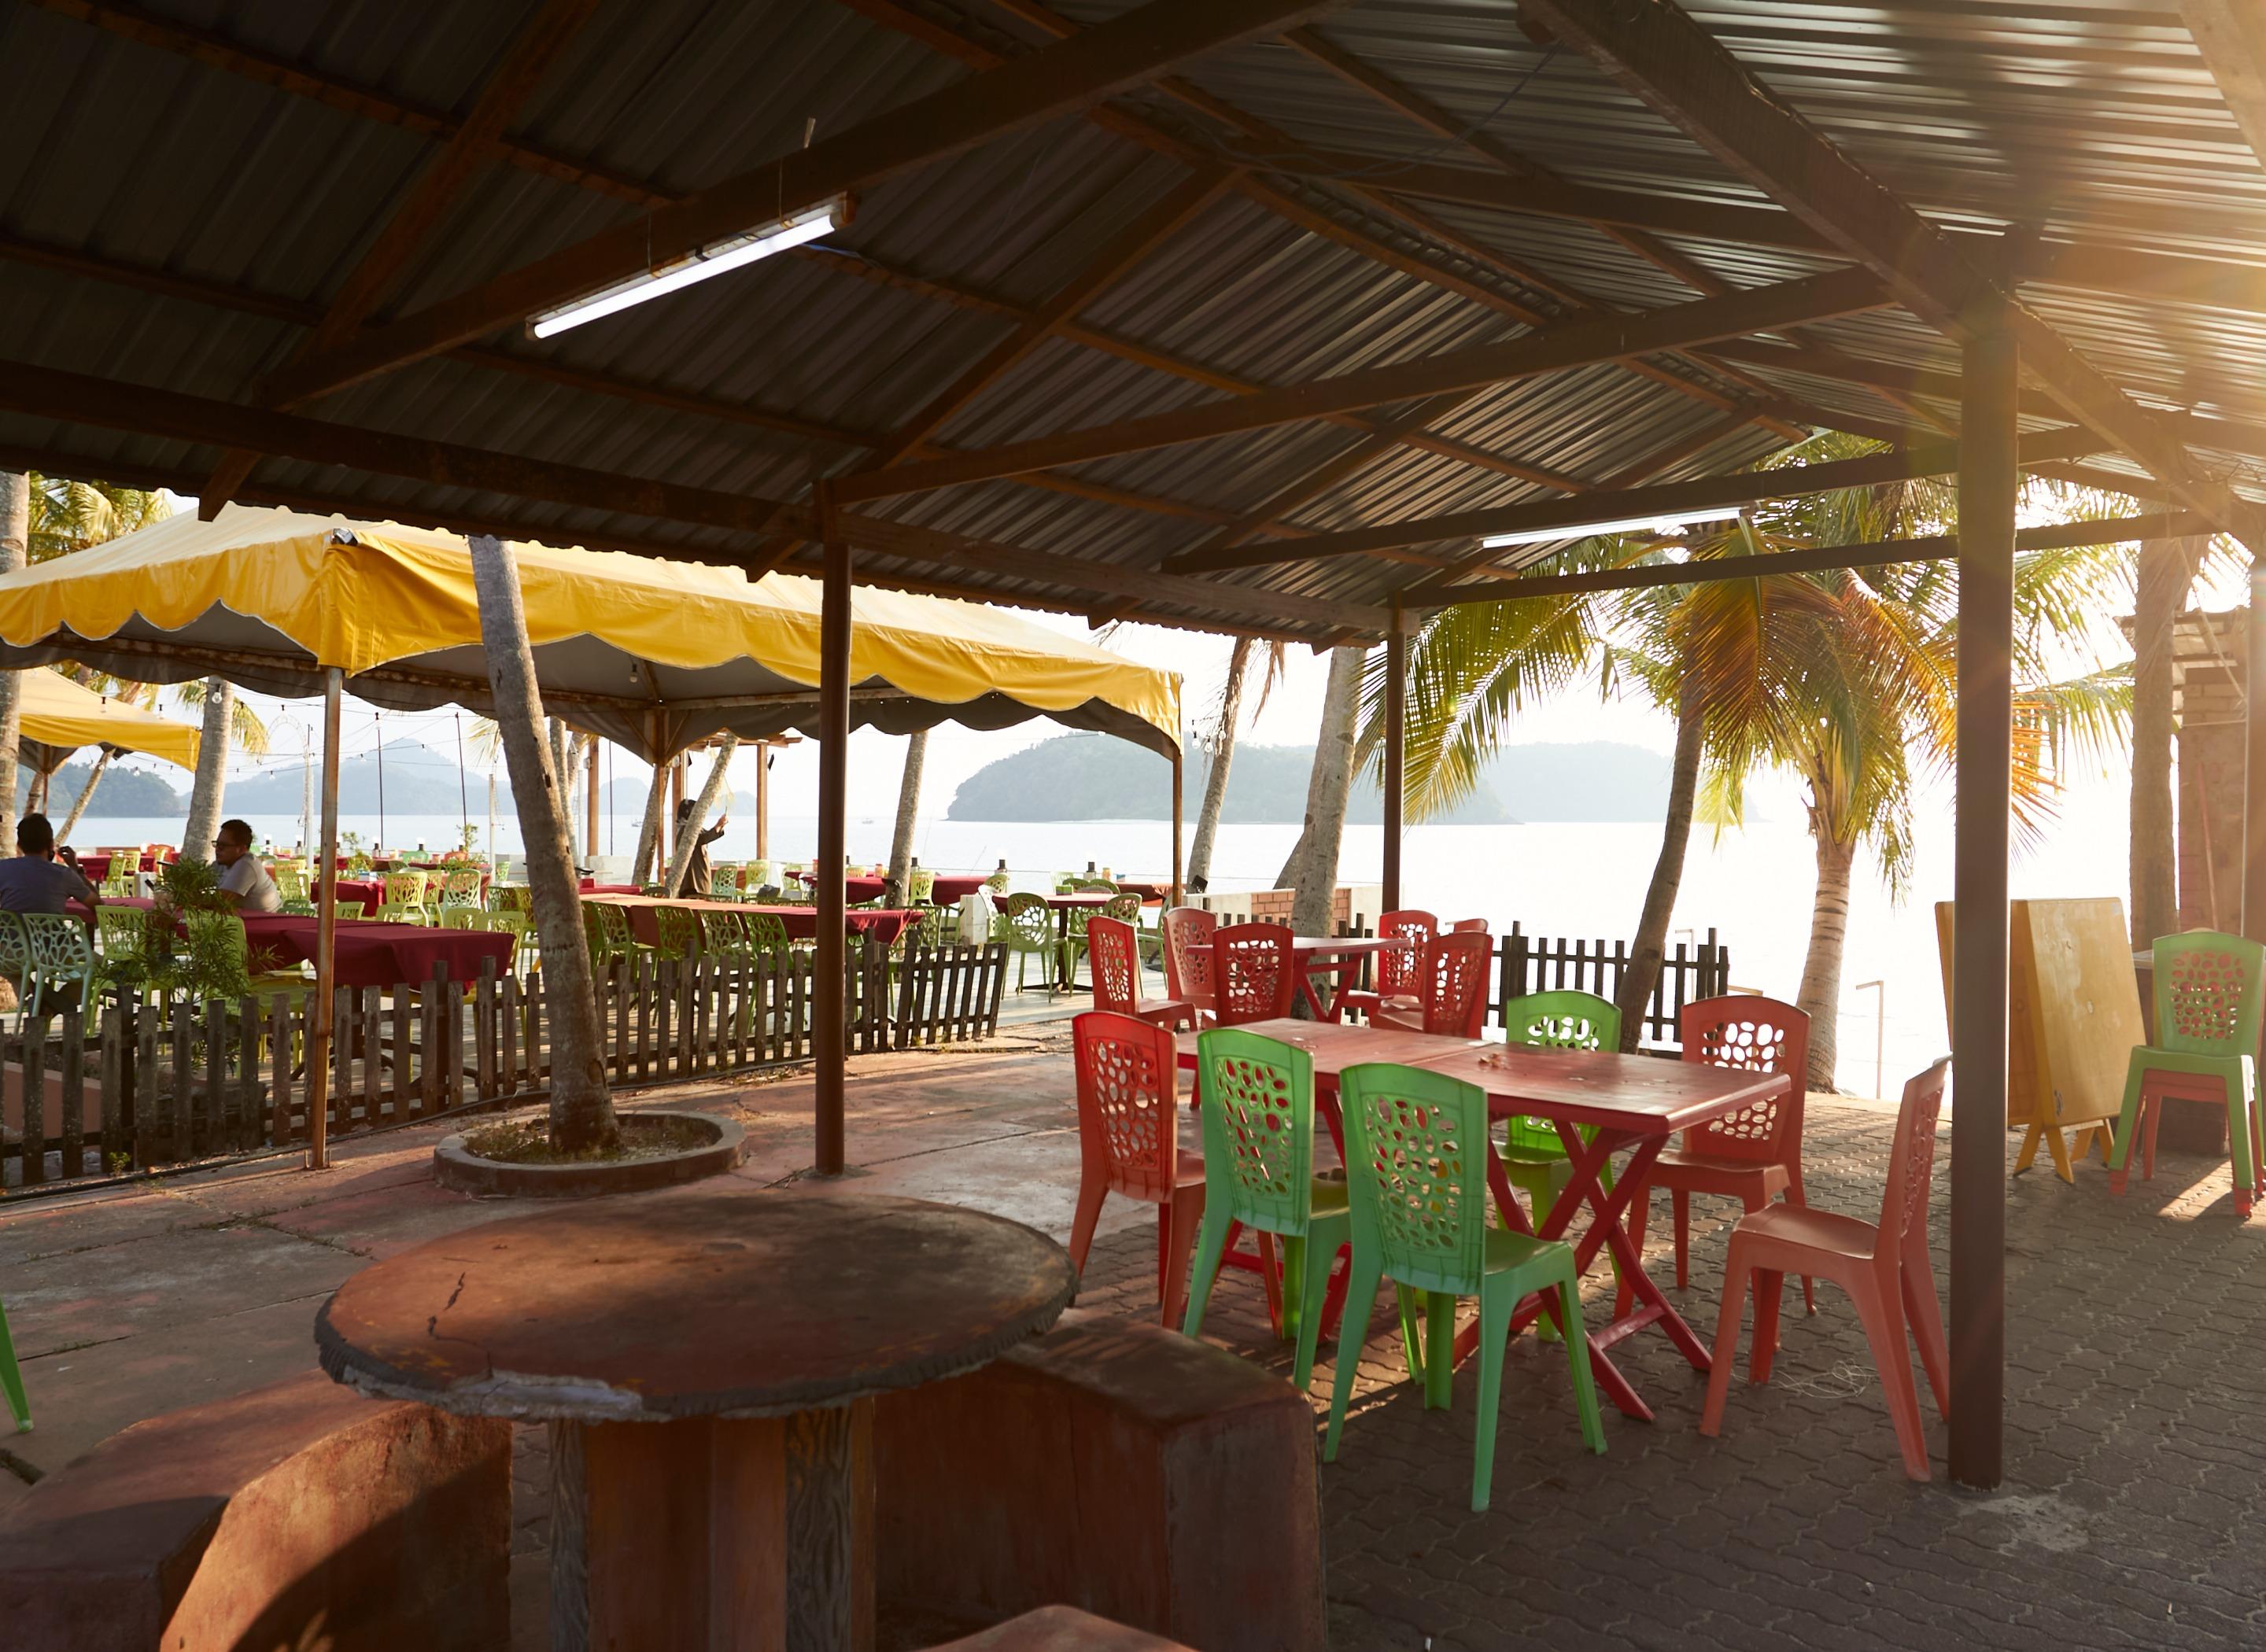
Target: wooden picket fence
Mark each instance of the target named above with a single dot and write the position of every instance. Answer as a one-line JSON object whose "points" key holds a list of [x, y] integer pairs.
{"points": [[1531, 964], [168, 1082]]}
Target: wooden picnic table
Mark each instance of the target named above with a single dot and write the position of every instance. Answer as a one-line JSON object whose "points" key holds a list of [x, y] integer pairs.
{"points": [[1626, 1102], [1338, 956], [707, 1362]]}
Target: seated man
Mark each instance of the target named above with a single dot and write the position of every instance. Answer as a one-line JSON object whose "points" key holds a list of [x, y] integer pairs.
{"points": [[243, 882], [33, 880]]}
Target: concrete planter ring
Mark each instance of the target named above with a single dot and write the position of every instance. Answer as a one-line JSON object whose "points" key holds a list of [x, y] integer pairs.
{"points": [[456, 1166]]}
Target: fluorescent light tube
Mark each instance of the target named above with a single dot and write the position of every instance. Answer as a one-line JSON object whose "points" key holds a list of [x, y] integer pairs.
{"points": [[736, 252], [1627, 524]]}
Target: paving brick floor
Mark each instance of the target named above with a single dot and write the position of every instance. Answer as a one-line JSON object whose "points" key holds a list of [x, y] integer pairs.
{"points": [[2136, 1378]]}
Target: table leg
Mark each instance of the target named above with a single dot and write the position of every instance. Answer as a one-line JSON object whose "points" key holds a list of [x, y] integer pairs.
{"points": [[720, 1535]]}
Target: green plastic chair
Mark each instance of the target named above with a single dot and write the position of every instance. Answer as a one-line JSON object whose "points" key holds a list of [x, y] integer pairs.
{"points": [[511, 897], [1257, 1097], [122, 935], [1534, 1154], [1026, 923], [676, 932], [11, 1377], [62, 962], [1416, 1172], [767, 932], [1125, 908], [16, 959], [606, 927], [2208, 1009]]}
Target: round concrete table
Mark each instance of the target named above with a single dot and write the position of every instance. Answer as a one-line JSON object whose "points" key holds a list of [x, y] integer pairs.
{"points": [[707, 1362]]}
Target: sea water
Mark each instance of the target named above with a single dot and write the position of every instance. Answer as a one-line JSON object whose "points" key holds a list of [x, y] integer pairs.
{"points": [[1753, 886]]}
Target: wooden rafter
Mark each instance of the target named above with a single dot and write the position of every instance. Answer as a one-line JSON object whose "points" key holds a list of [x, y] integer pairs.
{"points": [[2231, 34], [534, 50], [1022, 93], [1577, 344], [1744, 487], [1684, 74]]}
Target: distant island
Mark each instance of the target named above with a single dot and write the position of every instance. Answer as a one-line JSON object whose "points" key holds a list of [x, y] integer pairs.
{"points": [[417, 780], [1091, 776], [124, 791]]}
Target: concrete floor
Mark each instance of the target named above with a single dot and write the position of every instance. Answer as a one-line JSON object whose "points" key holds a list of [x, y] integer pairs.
{"points": [[2134, 1460]]}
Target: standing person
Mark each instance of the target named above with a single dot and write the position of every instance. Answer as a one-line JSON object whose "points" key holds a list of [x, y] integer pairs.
{"points": [[698, 878], [243, 882], [32, 880]]}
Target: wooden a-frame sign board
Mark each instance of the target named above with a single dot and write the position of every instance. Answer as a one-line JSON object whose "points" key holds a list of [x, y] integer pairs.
{"points": [[2073, 1019]]}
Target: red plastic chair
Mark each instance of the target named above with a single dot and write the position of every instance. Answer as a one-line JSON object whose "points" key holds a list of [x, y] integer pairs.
{"points": [[1755, 1154], [1189, 968], [1257, 973], [1453, 985], [1129, 1143], [1113, 946], [1398, 971], [1468, 926], [1885, 1268]]}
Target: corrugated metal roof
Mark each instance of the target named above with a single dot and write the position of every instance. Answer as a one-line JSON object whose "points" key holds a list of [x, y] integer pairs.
{"points": [[2077, 118]]}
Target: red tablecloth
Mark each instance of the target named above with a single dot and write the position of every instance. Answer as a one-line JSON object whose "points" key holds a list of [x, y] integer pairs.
{"points": [[884, 923], [591, 886], [382, 955], [855, 887], [94, 868], [951, 889]]}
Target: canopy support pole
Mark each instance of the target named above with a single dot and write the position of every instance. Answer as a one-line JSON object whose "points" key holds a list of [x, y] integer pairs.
{"points": [[590, 807], [764, 800], [1396, 737], [1988, 484], [1177, 865], [326, 934], [830, 895], [2254, 752]]}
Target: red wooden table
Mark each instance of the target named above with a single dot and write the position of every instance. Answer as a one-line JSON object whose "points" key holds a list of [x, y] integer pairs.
{"points": [[1338, 956], [954, 888], [1633, 1102], [858, 886]]}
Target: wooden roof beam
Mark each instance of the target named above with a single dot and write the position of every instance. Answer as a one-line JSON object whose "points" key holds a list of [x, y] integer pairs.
{"points": [[1744, 487], [442, 178], [1823, 559], [1097, 63], [1576, 344], [1684, 74], [2231, 34], [2080, 265]]}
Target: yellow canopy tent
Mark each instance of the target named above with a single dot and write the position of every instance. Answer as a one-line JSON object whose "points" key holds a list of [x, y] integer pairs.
{"points": [[653, 654], [59, 716]]}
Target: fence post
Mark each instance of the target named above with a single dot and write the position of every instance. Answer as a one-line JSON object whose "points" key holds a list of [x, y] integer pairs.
{"points": [[34, 1043]]}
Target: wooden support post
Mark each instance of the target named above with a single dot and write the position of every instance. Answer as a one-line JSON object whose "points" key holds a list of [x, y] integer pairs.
{"points": [[764, 800], [1988, 487], [326, 934], [1178, 868], [2254, 752], [590, 808], [829, 892], [1396, 731]]}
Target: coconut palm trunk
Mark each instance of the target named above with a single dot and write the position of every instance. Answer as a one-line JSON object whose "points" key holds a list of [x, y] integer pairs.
{"points": [[1820, 997], [688, 836], [1223, 753], [900, 840], [2166, 571], [85, 796], [1311, 871], [205, 796], [581, 1108], [15, 543], [1651, 944], [656, 800]]}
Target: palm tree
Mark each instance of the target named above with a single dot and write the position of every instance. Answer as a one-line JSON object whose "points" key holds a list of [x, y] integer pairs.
{"points": [[1221, 746], [227, 720], [901, 839], [1843, 678]]}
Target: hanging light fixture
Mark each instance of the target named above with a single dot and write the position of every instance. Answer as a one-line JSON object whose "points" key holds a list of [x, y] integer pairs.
{"points": [[1627, 524], [734, 252]]}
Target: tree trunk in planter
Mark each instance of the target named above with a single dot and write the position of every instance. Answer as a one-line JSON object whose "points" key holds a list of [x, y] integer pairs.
{"points": [[688, 839], [1223, 753], [1311, 871], [1651, 944], [1820, 997], [85, 796], [2166, 571], [203, 824], [656, 800], [15, 551], [581, 1109], [901, 841]]}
